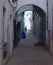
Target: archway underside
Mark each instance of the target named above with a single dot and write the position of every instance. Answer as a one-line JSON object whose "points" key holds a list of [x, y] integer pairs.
{"points": [[30, 7], [37, 9]]}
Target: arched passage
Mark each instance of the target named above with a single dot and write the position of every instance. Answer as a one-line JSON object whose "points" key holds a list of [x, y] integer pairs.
{"points": [[40, 11]]}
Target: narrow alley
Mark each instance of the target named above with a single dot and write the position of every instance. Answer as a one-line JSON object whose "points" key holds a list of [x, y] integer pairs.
{"points": [[26, 53], [26, 32]]}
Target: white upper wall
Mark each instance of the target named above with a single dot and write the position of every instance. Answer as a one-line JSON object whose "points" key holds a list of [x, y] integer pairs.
{"points": [[9, 11], [50, 14], [1, 30], [1, 16], [41, 3]]}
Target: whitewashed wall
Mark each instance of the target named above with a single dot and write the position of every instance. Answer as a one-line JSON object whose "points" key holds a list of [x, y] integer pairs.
{"points": [[8, 28], [52, 24], [1, 31], [50, 3], [1, 15], [41, 3], [8, 25]]}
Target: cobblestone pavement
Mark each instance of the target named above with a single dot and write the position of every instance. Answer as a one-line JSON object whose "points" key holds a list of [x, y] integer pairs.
{"points": [[28, 54]]}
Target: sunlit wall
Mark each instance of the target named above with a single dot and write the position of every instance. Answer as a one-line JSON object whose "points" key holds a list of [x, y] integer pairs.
{"points": [[27, 19]]}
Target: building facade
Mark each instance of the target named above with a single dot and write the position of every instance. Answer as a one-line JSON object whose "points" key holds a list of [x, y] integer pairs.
{"points": [[50, 24], [7, 8], [1, 30]]}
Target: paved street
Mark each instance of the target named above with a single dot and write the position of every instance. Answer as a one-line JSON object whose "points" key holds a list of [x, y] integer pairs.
{"points": [[28, 54]]}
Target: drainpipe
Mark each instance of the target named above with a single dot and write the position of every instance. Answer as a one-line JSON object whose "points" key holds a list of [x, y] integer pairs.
{"points": [[47, 27], [47, 15]]}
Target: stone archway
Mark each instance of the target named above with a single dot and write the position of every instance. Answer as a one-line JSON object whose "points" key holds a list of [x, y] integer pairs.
{"points": [[41, 12]]}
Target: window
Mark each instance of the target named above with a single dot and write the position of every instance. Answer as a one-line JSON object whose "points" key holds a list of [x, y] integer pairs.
{"points": [[14, 0], [4, 9]]}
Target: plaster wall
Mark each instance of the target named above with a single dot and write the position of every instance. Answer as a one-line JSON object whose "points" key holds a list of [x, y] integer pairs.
{"points": [[50, 24], [8, 27], [40, 3], [1, 31]]}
